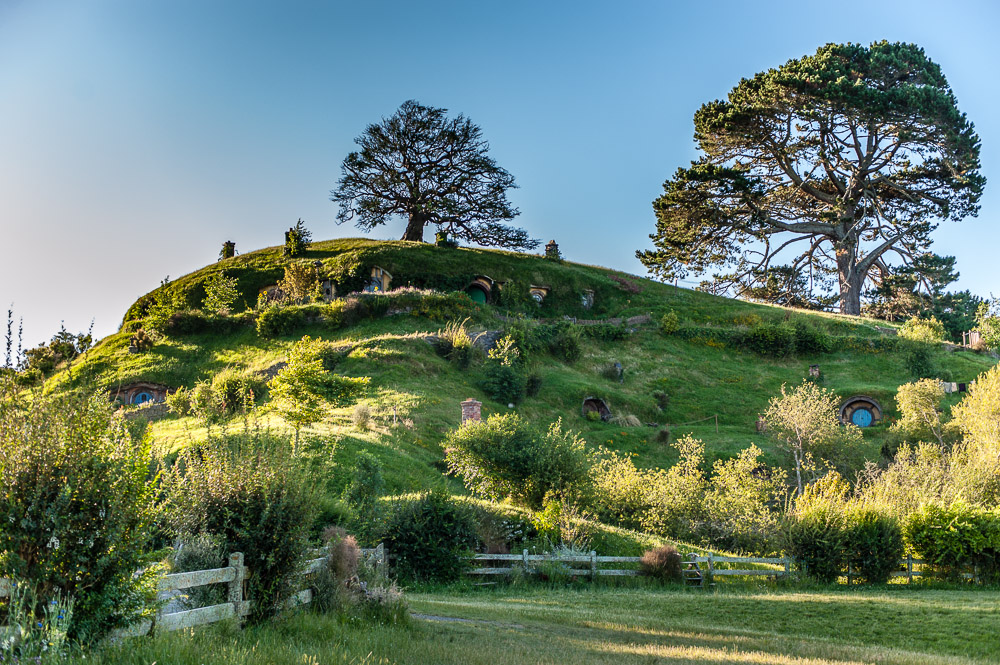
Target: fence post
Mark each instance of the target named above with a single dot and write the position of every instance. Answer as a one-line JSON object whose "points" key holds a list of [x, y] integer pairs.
{"points": [[380, 557], [236, 586], [524, 560], [909, 568], [788, 567], [711, 563], [850, 572], [593, 565]]}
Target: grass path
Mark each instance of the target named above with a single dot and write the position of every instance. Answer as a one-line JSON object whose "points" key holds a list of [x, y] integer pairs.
{"points": [[591, 626]]}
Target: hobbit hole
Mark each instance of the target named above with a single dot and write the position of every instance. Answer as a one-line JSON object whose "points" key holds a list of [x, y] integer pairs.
{"points": [[379, 281], [481, 289], [597, 405], [860, 410]]}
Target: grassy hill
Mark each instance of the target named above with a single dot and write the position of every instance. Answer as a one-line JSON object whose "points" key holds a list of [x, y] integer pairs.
{"points": [[688, 381]]}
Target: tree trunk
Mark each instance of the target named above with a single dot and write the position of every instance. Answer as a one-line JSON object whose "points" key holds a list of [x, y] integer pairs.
{"points": [[415, 228], [850, 278]]}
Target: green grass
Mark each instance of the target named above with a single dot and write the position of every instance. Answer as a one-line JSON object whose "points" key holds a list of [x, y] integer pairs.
{"points": [[415, 394], [618, 625]]}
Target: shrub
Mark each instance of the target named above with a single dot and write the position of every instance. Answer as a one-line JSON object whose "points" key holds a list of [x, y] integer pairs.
{"points": [[361, 416], [278, 320], [199, 552], [811, 340], [928, 331], [247, 490], [77, 506], [503, 379], [815, 533], [606, 332], [504, 456], [533, 384], [236, 389], [300, 282], [919, 403], [918, 359], [955, 535], [874, 544], [769, 339], [362, 493], [663, 564], [669, 323], [297, 239], [431, 537], [140, 341], [676, 496], [332, 582], [179, 401], [565, 343], [220, 294]]}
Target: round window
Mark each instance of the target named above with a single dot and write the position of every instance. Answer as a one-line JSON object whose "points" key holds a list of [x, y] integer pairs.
{"points": [[862, 417]]}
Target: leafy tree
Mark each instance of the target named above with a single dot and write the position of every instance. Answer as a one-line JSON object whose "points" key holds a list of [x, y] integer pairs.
{"points": [[787, 286], [300, 281], [431, 169], [988, 323], [920, 408], [804, 421], [297, 239], [850, 155], [220, 293]]}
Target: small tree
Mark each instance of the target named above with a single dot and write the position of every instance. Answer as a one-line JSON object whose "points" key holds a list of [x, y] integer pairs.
{"points": [[988, 323], [297, 239], [300, 281], [804, 422], [431, 169], [297, 390], [920, 403], [220, 293]]}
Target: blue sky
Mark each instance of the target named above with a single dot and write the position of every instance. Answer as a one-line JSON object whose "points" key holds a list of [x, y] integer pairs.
{"points": [[136, 137]]}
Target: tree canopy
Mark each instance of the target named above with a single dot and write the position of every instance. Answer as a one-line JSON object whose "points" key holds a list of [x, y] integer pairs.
{"points": [[431, 169], [837, 160]]}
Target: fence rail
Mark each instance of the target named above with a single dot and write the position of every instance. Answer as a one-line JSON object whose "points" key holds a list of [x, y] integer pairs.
{"points": [[236, 606]]}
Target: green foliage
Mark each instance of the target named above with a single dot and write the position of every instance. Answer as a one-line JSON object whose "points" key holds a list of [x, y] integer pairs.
{"points": [[988, 323], [199, 552], [804, 422], [952, 536], [431, 538], [503, 378], [919, 406], [743, 503], [874, 544], [362, 494], [565, 343], [249, 492], [504, 456], [663, 564], [297, 239], [179, 401], [928, 331], [815, 533], [36, 630], [669, 323], [220, 294], [918, 359], [399, 171], [236, 390], [332, 582], [300, 282], [729, 208], [277, 321], [166, 301], [769, 339], [76, 503], [810, 340]]}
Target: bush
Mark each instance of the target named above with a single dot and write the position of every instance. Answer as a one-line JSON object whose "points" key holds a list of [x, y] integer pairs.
{"points": [[200, 552], [362, 494], [332, 582], [874, 544], [815, 532], [606, 332], [956, 535], [810, 340], [77, 506], [431, 537], [179, 401], [769, 339], [663, 564], [503, 378], [140, 341], [918, 359], [248, 491], [236, 390], [504, 456], [928, 331], [220, 293], [361, 416], [278, 321], [669, 323], [565, 343]]}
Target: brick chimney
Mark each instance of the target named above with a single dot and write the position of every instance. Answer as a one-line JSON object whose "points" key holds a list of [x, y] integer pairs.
{"points": [[471, 411]]}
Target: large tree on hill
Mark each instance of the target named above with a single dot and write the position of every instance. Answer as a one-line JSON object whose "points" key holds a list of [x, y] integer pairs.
{"points": [[839, 159], [431, 169]]}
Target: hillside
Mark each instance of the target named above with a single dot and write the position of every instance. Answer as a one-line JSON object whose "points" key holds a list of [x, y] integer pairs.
{"points": [[700, 375]]}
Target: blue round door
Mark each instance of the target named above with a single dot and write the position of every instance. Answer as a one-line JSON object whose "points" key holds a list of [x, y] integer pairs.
{"points": [[862, 417]]}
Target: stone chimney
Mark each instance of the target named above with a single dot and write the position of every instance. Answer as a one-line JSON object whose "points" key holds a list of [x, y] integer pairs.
{"points": [[471, 411], [814, 371]]}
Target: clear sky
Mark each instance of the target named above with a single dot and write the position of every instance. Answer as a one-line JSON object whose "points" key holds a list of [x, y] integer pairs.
{"points": [[138, 135]]}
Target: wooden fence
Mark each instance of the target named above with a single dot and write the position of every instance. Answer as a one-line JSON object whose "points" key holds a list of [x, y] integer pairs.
{"points": [[236, 606], [593, 566]]}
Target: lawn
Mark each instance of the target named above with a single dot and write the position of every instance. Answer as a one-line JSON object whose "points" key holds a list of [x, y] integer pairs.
{"points": [[619, 625]]}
